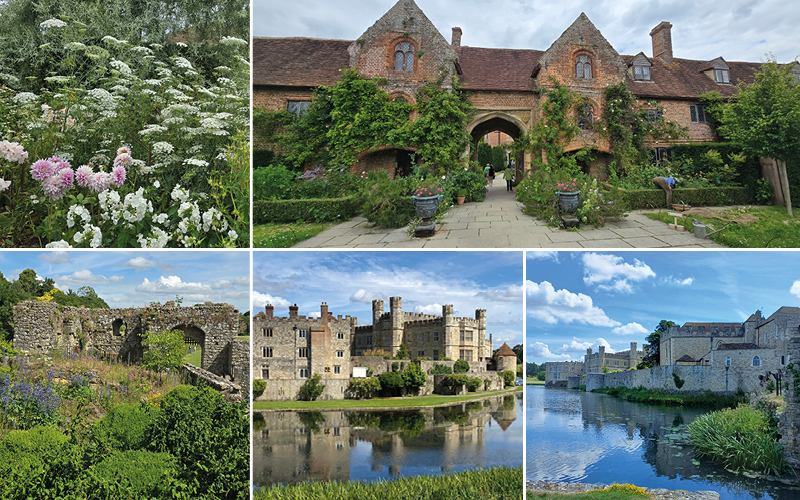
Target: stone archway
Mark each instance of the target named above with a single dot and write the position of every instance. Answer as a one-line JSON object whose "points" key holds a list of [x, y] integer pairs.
{"points": [[194, 336], [497, 121]]}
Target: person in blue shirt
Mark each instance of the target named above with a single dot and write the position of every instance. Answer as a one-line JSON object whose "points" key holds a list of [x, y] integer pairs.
{"points": [[666, 183]]}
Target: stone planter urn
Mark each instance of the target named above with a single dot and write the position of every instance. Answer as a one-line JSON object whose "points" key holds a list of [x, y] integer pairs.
{"points": [[568, 201], [426, 207]]}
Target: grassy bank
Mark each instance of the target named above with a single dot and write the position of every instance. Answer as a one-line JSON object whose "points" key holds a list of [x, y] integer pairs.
{"points": [[642, 395], [285, 235], [497, 483], [533, 381], [415, 402]]}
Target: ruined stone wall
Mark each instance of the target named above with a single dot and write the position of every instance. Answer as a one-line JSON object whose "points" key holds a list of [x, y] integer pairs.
{"points": [[698, 379], [239, 366], [789, 426]]}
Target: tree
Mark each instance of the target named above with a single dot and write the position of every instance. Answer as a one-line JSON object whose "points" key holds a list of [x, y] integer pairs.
{"points": [[414, 377], [518, 351], [651, 349], [461, 366], [313, 388], [765, 119], [402, 352], [164, 351]]}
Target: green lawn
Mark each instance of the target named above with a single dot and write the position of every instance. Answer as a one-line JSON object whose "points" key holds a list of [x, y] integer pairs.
{"points": [[194, 358], [377, 402], [285, 235], [533, 381], [773, 229]]}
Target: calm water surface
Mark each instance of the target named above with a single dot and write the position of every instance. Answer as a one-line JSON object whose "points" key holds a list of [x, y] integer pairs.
{"points": [[290, 447], [575, 436]]}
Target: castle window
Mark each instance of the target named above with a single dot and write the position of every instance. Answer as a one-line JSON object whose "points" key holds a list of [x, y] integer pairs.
{"points": [[586, 117], [298, 108], [337, 369], [436, 355], [436, 336], [701, 329], [698, 113], [655, 115], [302, 352], [369, 340], [783, 360], [722, 76], [304, 334], [265, 373], [421, 337], [641, 73], [583, 66], [266, 352], [358, 341], [340, 336], [404, 57], [420, 353], [303, 374], [266, 332], [339, 354], [728, 361], [465, 355], [756, 361]]}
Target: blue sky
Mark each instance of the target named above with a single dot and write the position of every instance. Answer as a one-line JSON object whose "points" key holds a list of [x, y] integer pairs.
{"points": [[137, 278], [737, 30], [426, 280], [577, 300]]}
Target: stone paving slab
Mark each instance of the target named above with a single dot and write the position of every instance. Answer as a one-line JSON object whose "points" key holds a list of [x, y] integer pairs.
{"points": [[498, 222]]}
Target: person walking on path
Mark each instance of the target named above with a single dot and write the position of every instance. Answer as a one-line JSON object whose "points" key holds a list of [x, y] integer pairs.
{"points": [[666, 183], [491, 175], [486, 173], [508, 175]]}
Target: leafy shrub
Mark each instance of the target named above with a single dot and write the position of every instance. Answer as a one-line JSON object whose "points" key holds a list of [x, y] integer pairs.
{"points": [[26, 405], [696, 160], [455, 380], [696, 197], [26, 450], [126, 426], [392, 383], [364, 388], [387, 202], [764, 194], [312, 388], [470, 182], [134, 474], [164, 350], [259, 385], [474, 383], [414, 377], [739, 438], [273, 183], [402, 352], [678, 381], [440, 369], [461, 366], [509, 377], [308, 210]]}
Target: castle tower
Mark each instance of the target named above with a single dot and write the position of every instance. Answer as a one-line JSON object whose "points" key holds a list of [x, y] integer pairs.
{"points": [[269, 310], [377, 312], [396, 313], [484, 350], [293, 311], [452, 333]]}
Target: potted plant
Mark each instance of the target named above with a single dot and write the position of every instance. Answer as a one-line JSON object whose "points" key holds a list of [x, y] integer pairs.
{"points": [[568, 195], [426, 201], [461, 195]]}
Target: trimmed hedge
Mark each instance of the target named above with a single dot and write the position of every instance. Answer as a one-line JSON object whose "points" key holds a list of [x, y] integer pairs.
{"points": [[312, 210], [696, 197]]}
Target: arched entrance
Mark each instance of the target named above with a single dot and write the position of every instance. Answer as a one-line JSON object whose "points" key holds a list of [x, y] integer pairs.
{"points": [[506, 127], [395, 162], [195, 339], [597, 166]]}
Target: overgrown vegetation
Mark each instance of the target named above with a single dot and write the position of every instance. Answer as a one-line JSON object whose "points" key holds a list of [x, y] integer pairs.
{"points": [[642, 395], [497, 483]]}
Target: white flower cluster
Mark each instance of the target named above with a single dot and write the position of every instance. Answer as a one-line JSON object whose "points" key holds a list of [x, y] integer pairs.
{"points": [[233, 41], [151, 81], [74, 46], [90, 234], [164, 72], [57, 79], [182, 62], [53, 23], [162, 148], [58, 244], [13, 152], [196, 162], [120, 66], [78, 211], [159, 239], [152, 129], [179, 194], [213, 219], [111, 40], [110, 205], [141, 50], [135, 207], [104, 99]]}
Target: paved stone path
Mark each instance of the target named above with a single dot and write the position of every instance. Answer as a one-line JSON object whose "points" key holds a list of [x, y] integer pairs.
{"points": [[498, 222]]}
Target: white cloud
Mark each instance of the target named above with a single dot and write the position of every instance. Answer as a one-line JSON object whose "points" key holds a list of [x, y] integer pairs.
{"points": [[435, 309], [672, 280], [603, 342], [511, 294], [279, 303], [551, 306], [171, 285], [795, 290], [540, 350], [610, 273], [55, 257], [222, 284], [139, 263], [630, 329], [362, 295], [542, 255], [86, 277], [576, 346]]}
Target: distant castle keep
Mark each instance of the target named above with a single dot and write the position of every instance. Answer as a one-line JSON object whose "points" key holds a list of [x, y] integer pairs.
{"points": [[558, 372], [296, 347]]}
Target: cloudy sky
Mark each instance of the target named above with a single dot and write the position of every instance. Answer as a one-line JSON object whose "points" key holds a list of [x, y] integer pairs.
{"points": [[577, 300], [350, 281], [135, 279], [737, 30]]}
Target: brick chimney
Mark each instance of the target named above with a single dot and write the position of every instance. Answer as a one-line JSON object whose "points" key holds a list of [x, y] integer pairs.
{"points": [[293, 311], [270, 310], [456, 37], [323, 313], [662, 42]]}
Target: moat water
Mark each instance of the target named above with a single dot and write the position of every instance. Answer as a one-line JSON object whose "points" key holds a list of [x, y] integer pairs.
{"points": [[580, 437], [290, 447]]}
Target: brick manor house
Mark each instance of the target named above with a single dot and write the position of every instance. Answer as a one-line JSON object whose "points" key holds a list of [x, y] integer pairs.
{"points": [[287, 351], [405, 48]]}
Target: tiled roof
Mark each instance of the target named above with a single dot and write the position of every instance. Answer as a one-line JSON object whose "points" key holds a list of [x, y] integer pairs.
{"points": [[736, 346], [496, 69], [505, 351], [686, 359], [298, 62], [684, 79]]}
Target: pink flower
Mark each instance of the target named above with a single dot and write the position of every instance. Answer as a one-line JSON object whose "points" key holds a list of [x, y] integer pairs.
{"points": [[53, 188], [67, 176], [84, 175], [123, 159], [124, 149], [61, 165], [42, 169], [99, 182], [118, 175]]}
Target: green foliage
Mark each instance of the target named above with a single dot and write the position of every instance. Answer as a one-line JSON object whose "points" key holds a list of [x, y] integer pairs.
{"points": [[764, 194], [26, 405], [440, 369], [694, 166], [364, 388], [164, 351], [402, 352], [288, 211], [414, 377], [474, 383], [485, 154], [259, 385], [387, 202], [27, 450], [470, 182], [678, 381], [461, 366], [209, 438], [125, 427], [285, 235], [134, 474], [455, 380], [739, 438], [392, 383], [652, 347], [509, 377], [658, 397], [696, 197], [312, 388]]}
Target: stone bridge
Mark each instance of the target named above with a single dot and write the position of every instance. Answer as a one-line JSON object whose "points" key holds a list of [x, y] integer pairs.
{"points": [[44, 327]]}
